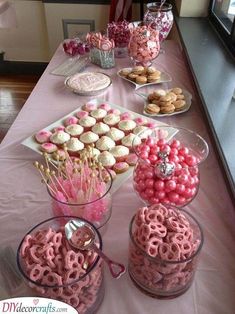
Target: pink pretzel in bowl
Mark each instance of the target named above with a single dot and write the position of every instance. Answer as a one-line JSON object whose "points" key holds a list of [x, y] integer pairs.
{"points": [[57, 271], [164, 246]]}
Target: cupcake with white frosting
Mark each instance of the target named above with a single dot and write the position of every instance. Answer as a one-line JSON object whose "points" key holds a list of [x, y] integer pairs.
{"points": [[100, 128], [126, 126], [111, 119], [128, 141], [98, 114], [105, 143], [116, 135], [119, 152], [87, 123], [89, 137], [74, 145], [107, 159], [74, 130], [59, 137]]}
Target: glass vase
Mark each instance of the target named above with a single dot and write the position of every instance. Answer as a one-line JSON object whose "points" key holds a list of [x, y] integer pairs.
{"points": [[53, 270], [172, 275], [167, 170], [102, 58]]}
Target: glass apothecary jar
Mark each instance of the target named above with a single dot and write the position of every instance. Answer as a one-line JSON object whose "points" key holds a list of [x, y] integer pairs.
{"points": [[167, 170], [55, 270], [96, 210], [164, 248], [160, 17], [144, 45]]}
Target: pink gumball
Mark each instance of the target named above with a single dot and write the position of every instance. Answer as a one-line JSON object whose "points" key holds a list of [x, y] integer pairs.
{"points": [[194, 171], [144, 155], [144, 147], [181, 158], [150, 141], [161, 142], [183, 151], [149, 174], [180, 188], [174, 159], [191, 160], [154, 150], [141, 185], [154, 200], [153, 159], [170, 185], [188, 193], [149, 192], [160, 195], [181, 200], [183, 179], [149, 183], [173, 197], [159, 185], [174, 151], [175, 143], [166, 148]]}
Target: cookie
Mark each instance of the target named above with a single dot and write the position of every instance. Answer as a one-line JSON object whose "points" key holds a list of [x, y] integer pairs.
{"points": [[168, 109], [180, 96], [141, 79], [179, 104], [132, 76], [152, 78], [176, 90], [121, 167], [139, 69], [173, 96], [125, 72], [152, 109], [132, 159]]}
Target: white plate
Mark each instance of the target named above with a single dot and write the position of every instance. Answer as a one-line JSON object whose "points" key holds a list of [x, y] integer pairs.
{"points": [[188, 100], [121, 178], [165, 77], [92, 77]]}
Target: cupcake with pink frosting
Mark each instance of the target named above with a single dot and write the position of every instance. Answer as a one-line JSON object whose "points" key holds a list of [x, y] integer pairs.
{"points": [[43, 136], [82, 114], [105, 106], [89, 107], [48, 148], [70, 120]]}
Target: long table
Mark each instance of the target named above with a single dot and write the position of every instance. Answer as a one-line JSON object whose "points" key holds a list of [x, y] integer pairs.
{"points": [[24, 200]]}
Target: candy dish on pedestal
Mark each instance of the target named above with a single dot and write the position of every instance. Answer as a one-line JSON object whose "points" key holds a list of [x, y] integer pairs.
{"points": [[167, 170]]}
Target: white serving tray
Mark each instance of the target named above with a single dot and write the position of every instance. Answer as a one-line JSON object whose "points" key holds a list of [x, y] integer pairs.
{"points": [[120, 178]]}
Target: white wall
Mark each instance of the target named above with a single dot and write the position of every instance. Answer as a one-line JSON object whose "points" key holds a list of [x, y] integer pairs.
{"points": [[27, 42], [192, 8]]}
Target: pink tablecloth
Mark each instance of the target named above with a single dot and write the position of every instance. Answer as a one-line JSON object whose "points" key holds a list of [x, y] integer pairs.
{"points": [[24, 200]]}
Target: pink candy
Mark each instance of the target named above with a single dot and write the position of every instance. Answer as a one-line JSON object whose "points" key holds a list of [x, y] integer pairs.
{"points": [[119, 32], [165, 234], [178, 188], [49, 260], [144, 45]]}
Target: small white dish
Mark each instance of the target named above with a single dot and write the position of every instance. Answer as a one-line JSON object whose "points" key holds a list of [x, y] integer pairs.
{"points": [[164, 77], [88, 83], [188, 100]]}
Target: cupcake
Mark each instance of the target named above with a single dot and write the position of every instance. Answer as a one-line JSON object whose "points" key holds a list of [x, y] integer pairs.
{"points": [[114, 111], [70, 120], [74, 129], [87, 122], [126, 116], [142, 131], [141, 121], [82, 114], [59, 137], [121, 167], [59, 128], [59, 155], [48, 148], [116, 135], [100, 128], [105, 107], [105, 143], [128, 140], [89, 137], [74, 145], [98, 114], [107, 159], [94, 152], [126, 126], [89, 107], [119, 152], [43, 136], [111, 119]]}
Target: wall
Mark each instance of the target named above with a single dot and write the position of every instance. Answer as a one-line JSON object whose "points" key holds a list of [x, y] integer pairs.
{"points": [[27, 42], [192, 8]]}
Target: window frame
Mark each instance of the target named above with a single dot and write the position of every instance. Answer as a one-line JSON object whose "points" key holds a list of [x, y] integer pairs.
{"points": [[228, 39]]}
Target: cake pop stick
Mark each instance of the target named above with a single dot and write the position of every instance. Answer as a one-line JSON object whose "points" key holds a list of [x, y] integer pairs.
{"points": [[37, 165]]}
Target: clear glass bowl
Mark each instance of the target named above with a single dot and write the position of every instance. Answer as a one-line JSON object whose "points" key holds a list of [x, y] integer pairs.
{"points": [[167, 170], [159, 17], [51, 270], [160, 278], [97, 211]]}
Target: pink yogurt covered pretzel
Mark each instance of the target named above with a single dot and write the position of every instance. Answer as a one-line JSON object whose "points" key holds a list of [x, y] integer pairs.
{"points": [[166, 235], [49, 261]]}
